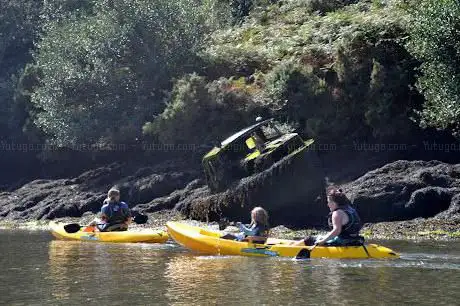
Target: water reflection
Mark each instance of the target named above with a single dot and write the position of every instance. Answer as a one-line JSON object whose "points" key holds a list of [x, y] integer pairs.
{"points": [[244, 280], [76, 273], [239, 280], [90, 271], [62, 265]]}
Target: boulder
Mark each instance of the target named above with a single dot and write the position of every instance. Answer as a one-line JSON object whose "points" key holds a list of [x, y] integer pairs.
{"points": [[72, 197], [453, 211], [405, 190]]}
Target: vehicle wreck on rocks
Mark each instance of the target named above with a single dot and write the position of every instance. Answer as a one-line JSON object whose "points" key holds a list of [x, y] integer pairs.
{"points": [[262, 166]]}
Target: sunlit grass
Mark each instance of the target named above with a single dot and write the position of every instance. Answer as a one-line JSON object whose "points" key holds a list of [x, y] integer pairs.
{"points": [[282, 32]]}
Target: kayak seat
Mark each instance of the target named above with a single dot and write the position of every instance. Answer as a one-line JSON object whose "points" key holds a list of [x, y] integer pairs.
{"points": [[89, 229], [112, 228], [358, 241], [255, 239]]}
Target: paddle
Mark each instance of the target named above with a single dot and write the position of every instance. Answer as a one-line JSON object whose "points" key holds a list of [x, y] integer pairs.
{"points": [[75, 227], [305, 253]]}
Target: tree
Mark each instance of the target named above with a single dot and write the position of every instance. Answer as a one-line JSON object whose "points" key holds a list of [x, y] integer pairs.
{"points": [[435, 42], [105, 66], [18, 27]]}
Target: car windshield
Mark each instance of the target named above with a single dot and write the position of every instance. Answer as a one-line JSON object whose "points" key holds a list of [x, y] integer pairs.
{"points": [[237, 150], [271, 131]]}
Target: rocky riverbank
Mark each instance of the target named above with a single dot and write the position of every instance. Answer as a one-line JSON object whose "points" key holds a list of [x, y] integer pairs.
{"points": [[401, 200], [418, 229]]}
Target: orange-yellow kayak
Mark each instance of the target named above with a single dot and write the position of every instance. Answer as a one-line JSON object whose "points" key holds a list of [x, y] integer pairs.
{"points": [[209, 242], [147, 235]]}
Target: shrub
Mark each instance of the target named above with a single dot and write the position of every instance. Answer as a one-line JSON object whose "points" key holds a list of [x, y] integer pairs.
{"points": [[435, 41], [201, 113], [296, 94]]}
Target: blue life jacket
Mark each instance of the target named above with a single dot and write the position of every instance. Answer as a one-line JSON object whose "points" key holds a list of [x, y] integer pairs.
{"points": [[116, 212]]}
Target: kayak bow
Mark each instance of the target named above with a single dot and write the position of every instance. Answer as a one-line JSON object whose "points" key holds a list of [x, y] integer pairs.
{"points": [[145, 235]]}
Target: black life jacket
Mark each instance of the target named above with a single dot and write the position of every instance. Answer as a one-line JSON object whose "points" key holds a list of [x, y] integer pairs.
{"points": [[352, 228], [263, 231]]}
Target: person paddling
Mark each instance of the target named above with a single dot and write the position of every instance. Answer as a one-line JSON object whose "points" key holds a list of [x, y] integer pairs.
{"points": [[115, 215], [344, 221], [257, 231]]}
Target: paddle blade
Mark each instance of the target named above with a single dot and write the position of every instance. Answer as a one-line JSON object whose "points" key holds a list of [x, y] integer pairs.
{"points": [[140, 219], [72, 228], [303, 254]]}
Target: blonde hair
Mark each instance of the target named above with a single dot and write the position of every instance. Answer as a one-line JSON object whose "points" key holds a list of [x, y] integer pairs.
{"points": [[259, 216], [112, 191]]}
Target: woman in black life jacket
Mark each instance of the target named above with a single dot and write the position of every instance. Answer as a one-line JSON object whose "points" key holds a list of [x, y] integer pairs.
{"points": [[344, 221]]}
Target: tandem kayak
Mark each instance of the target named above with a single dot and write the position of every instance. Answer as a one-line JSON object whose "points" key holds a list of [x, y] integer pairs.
{"points": [[147, 235], [209, 242]]}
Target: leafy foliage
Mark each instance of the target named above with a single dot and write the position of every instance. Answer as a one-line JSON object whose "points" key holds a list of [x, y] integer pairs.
{"points": [[339, 70], [435, 41], [18, 25], [336, 69], [296, 94], [104, 69], [200, 113]]}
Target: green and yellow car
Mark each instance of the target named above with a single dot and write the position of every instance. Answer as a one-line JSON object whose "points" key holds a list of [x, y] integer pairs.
{"points": [[249, 151]]}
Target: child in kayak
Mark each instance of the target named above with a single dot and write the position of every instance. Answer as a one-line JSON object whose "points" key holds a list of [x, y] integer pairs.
{"points": [[343, 220], [115, 215], [258, 230]]}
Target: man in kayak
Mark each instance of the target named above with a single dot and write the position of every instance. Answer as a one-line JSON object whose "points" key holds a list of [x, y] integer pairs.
{"points": [[115, 215], [344, 221], [257, 231]]}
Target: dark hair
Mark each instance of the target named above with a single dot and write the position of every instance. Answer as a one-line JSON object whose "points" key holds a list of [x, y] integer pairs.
{"points": [[337, 196]]}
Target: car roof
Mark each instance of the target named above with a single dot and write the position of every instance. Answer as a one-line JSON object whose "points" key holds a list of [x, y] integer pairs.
{"points": [[244, 132]]}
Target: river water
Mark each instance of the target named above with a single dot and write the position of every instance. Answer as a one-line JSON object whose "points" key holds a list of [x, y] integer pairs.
{"points": [[35, 269]]}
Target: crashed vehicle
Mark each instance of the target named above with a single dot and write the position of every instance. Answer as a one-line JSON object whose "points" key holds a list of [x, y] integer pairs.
{"points": [[249, 151], [263, 166]]}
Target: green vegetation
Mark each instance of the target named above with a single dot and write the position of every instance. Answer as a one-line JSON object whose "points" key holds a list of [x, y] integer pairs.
{"points": [[103, 70], [110, 71], [337, 72], [366, 233], [201, 112], [440, 233], [19, 21], [435, 42]]}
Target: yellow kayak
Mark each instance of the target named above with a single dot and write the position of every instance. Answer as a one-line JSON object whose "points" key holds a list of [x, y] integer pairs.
{"points": [[209, 242], [147, 235]]}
